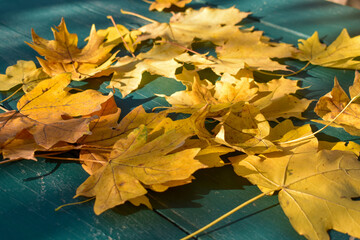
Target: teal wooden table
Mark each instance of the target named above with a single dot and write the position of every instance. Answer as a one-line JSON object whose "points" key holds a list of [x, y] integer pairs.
{"points": [[30, 191]]}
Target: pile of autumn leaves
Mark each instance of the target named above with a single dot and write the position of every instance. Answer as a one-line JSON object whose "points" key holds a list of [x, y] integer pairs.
{"points": [[125, 158]]}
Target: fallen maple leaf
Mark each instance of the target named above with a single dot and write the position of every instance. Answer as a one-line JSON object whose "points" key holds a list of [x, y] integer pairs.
{"points": [[273, 98], [276, 99], [114, 36], [207, 24], [45, 113], [159, 60], [63, 55], [160, 5], [189, 101], [339, 54], [334, 102], [210, 153], [286, 107], [106, 131], [22, 146], [165, 186], [231, 89], [249, 49], [279, 87], [226, 92], [193, 125], [50, 100], [245, 129], [45, 133], [135, 161], [92, 146], [347, 146], [23, 72], [64, 48], [316, 189], [79, 71]]}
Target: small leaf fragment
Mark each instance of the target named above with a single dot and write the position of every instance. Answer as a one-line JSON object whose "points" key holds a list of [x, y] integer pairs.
{"points": [[23, 72], [160, 5], [339, 54]]}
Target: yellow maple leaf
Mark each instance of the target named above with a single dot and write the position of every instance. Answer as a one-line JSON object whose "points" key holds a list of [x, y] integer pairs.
{"points": [[316, 189], [175, 183], [22, 146], [103, 130], [279, 87], [330, 105], [64, 47], [191, 100], [210, 151], [106, 131], [50, 101], [274, 99], [159, 60], [339, 54], [225, 93], [45, 134], [343, 146], [113, 38], [184, 27], [46, 113], [136, 161], [79, 71], [245, 129], [249, 49], [63, 53], [193, 125], [285, 107], [23, 72], [160, 5]]}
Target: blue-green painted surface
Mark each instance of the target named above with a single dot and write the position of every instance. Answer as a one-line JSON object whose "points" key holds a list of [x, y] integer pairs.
{"points": [[30, 191]]}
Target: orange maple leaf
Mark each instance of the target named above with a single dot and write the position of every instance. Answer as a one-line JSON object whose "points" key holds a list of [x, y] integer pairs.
{"points": [[63, 55]]}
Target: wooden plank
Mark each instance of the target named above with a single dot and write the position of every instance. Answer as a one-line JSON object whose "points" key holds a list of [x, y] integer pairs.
{"points": [[30, 191]]}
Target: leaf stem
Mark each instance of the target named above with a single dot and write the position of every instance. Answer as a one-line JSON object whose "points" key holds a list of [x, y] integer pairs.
{"points": [[150, 2], [286, 75], [321, 129], [97, 148], [138, 15], [74, 203], [68, 159], [4, 109], [122, 38], [9, 160], [17, 90], [228, 214]]}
